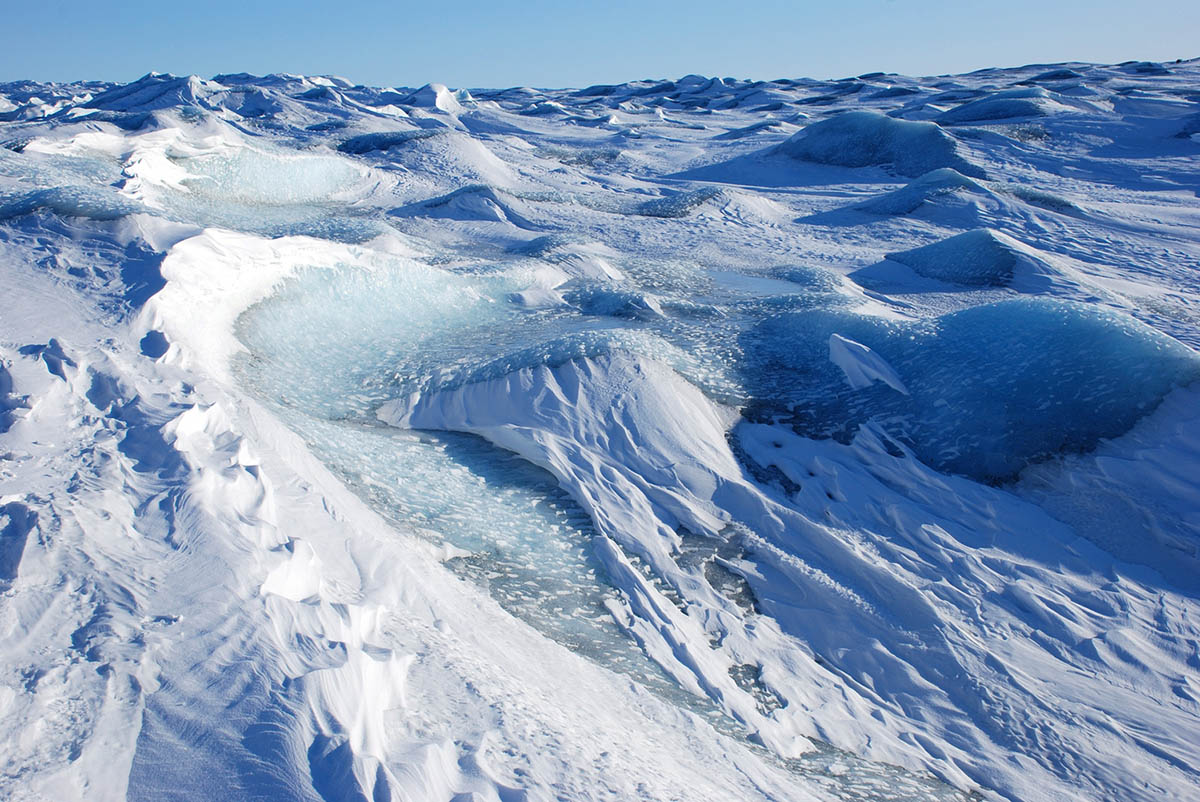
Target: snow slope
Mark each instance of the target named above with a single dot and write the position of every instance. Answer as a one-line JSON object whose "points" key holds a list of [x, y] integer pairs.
{"points": [[696, 439]]}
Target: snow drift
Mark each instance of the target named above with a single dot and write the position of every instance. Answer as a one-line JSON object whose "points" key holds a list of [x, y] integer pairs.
{"points": [[866, 139]]}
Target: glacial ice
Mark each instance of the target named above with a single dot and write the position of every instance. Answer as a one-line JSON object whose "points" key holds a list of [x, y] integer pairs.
{"points": [[245, 175], [70, 201], [385, 140], [991, 389]]}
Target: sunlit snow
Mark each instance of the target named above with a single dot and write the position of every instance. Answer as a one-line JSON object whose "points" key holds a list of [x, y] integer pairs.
{"points": [[701, 439]]}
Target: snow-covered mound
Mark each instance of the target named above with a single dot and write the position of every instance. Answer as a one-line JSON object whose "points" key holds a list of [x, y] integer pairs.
{"points": [[981, 258], [865, 138], [649, 441], [1012, 103], [934, 186], [437, 96], [477, 203]]}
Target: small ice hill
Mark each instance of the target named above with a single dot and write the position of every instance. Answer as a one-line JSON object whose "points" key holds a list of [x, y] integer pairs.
{"points": [[928, 188], [988, 390], [701, 438], [866, 139], [980, 258], [478, 203], [1010, 104]]}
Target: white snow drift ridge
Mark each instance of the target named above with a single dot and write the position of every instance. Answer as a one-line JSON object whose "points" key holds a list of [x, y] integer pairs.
{"points": [[647, 455], [347, 631]]}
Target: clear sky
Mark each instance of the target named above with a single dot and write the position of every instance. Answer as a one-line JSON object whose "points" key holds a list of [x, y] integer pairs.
{"points": [[476, 43]]}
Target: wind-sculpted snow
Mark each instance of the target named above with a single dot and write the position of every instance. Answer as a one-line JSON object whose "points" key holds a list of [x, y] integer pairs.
{"points": [[698, 439], [980, 258], [1009, 104], [863, 139], [929, 188]]}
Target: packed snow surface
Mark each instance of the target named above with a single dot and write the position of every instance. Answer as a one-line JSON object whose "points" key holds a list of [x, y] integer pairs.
{"points": [[699, 439]]}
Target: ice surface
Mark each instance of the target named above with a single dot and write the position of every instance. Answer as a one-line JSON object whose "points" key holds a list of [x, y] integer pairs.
{"points": [[70, 202], [991, 388], [254, 177], [385, 140]]}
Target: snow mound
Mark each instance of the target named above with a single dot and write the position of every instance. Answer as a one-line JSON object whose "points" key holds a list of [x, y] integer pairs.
{"points": [[928, 187], [1053, 76], [478, 203], [156, 91], [867, 138], [645, 454], [751, 209], [611, 302], [748, 130], [979, 258], [452, 156], [438, 97], [582, 260], [1010, 104], [991, 388]]}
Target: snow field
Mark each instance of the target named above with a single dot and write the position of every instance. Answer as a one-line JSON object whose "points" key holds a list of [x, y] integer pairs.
{"points": [[696, 439]]}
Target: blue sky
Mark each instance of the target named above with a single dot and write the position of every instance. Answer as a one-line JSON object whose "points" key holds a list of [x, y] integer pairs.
{"points": [[501, 43]]}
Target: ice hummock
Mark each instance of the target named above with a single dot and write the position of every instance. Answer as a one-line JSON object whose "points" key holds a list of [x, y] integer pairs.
{"points": [[991, 389], [979, 258], [866, 138], [930, 187], [1024, 102]]}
